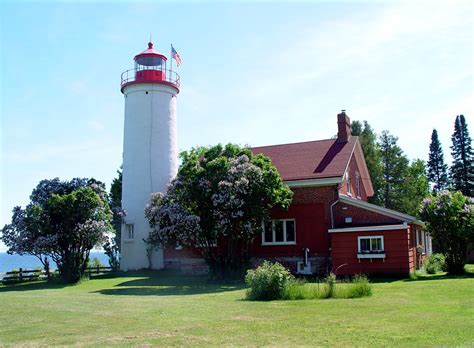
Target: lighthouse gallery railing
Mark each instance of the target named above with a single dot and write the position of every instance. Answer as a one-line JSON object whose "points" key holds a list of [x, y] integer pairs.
{"points": [[133, 75]]}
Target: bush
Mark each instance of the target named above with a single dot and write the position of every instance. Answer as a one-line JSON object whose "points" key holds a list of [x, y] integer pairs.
{"points": [[435, 263], [330, 286], [94, 263], [359, 287], [268, 282]]}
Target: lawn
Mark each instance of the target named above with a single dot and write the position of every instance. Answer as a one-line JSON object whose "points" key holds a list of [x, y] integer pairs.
{"points": [[159, 308]]}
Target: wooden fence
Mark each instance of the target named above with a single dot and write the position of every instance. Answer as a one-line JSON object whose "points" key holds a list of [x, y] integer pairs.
{"points": [[25, 275]]}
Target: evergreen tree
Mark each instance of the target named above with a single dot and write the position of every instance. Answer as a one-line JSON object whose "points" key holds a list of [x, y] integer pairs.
{"points": [[437, 169], [113, 245], [115, 202], [368, 142], [462, 170], [394, 172]]}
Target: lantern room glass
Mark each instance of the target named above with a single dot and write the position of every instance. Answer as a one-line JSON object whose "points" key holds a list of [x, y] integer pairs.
{"points": [[150, 63]]}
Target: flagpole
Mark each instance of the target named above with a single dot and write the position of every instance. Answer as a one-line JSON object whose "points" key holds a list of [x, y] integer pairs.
{"points": [[171, 58]]}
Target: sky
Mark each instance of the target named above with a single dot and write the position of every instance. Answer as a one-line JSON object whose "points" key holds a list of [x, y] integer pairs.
{"points": [[253, 73]]}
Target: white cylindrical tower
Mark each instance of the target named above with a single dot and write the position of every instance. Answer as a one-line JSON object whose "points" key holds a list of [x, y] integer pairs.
{"points": [[150, 156]]}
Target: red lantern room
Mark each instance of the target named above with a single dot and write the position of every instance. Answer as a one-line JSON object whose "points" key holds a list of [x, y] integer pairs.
{"points": [[150, 67]]}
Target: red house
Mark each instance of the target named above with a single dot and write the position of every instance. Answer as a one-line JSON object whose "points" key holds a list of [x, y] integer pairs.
{"points": [[330, 225]]}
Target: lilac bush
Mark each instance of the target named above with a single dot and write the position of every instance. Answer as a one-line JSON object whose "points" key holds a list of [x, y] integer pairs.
{"points": [[449, 218], [217, 203]]}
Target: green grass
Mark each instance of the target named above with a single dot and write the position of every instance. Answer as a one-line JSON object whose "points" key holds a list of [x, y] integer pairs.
{"points": [[157, 308]]}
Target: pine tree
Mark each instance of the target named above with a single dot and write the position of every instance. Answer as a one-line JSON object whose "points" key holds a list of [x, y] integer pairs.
{"points": [[437, 169], [368, 142], [394, 172], [462, 170]]}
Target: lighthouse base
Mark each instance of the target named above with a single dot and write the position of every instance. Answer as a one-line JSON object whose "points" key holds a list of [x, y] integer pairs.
{"points": [[136, 257]]}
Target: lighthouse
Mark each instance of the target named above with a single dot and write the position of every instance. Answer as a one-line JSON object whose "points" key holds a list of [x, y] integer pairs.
{"points": [[150, 156]]}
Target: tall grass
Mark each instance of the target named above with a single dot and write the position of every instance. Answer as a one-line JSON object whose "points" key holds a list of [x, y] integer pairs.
{"points": [[358, 287]]}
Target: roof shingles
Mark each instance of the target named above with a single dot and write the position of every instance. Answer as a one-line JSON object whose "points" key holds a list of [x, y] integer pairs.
{"points": [[309, 160]]}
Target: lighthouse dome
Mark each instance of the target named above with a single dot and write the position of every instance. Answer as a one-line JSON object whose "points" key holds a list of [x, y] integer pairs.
{"points": [[150, 57]]}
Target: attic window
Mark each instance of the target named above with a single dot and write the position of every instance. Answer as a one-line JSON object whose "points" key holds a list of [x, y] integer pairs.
{"points": [[358, 185], [348, 183]]}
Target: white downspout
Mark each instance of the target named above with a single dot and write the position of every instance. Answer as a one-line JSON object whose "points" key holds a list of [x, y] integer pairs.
{"points": [[332, 214]]}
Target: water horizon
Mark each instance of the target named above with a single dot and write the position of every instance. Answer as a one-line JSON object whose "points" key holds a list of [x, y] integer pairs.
{"points": [[28, 262]]}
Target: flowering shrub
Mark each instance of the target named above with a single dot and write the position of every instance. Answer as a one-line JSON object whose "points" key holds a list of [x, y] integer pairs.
{"points": [[64, 221], [217, 204], [171, 223], [268, 281], [449, 218]]}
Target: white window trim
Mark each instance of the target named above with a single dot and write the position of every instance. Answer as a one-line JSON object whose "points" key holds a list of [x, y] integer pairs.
{"points": [[371, 256], [273, 233], [362, 255], [348, 184], [127, 238], [357, 178]]}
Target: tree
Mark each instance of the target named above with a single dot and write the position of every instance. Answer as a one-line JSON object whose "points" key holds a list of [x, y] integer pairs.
{"points": [[64, 220], [437, 169], [415, 188], [449, 218], [368, 142], [462, 170], [217, 203], [394, 172], [112, 246]]}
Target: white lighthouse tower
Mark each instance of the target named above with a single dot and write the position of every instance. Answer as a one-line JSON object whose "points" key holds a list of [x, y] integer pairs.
{"points": [[150, 158]]}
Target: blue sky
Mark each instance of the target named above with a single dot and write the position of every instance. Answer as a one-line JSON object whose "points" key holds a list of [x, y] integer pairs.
{"points": [[252, 73]]}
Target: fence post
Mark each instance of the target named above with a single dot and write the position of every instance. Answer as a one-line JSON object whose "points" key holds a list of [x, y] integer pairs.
{"points": [[97, 269], [46, 268], [20, 275]]}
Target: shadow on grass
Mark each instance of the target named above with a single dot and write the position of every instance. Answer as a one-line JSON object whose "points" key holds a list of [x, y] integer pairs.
{"points": [[165, 283], [34, 285], [441, 276]]}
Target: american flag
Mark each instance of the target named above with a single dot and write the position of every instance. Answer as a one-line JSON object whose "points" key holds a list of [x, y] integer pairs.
{"points": [[175, 55]]}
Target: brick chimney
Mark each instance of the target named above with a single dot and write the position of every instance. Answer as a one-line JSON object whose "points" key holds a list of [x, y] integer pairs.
{"points": [[343, 127]]}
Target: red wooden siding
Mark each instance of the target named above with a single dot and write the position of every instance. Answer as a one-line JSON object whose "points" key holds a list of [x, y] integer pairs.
{"points": [[311, 232], [354, 170], [396, 246], [360, 216]]}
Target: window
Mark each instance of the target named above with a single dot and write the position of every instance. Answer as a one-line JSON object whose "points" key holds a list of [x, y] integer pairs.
{"points": [[348, 183], [358, 185], [279, 232], [129, 231], [371, 245], [423, 242]]}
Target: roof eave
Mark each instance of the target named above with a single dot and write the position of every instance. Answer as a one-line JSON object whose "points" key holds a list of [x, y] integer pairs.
{"points": [[314, 182], [381, 210]]}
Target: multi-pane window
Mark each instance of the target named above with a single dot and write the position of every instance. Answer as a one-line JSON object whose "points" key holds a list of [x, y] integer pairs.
{"points": [[369, 245], [279, 232], [129, 232]]}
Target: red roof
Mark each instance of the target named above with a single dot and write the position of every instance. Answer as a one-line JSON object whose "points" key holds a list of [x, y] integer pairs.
{"points": [[150, 52], [310, 160]]}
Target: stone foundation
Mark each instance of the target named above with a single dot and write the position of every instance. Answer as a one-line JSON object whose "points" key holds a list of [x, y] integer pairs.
{"points": [[320, 265], [187, 265]]}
